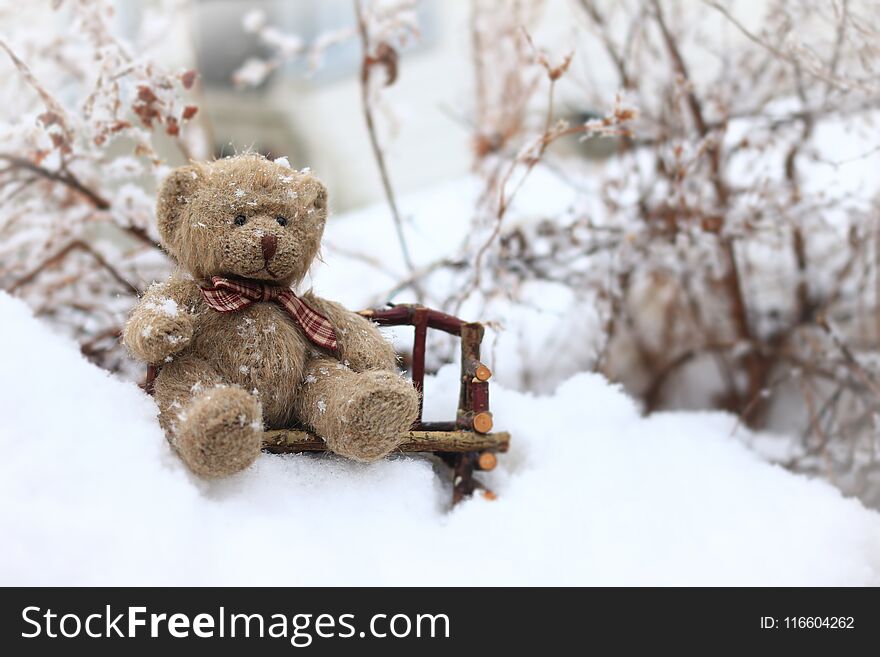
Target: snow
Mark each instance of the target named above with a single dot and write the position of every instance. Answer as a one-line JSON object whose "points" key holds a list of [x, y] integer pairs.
{"points": [[254, 20], [252, 73], [590, 493], [164, 305]]}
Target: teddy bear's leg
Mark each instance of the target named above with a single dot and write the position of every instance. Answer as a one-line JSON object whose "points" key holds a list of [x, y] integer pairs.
{"points": [[361, 415], [216, 428]]}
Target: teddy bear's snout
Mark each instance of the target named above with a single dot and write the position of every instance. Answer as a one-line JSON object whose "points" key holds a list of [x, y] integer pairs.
{"points": [[269, 245]]}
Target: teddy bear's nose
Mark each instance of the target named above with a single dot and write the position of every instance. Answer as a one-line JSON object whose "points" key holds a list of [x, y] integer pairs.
{"points": [[269, 244]]}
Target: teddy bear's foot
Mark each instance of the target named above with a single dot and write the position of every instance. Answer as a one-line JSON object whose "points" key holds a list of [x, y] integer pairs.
{"points": [[375, 417], [361, 415], [220, 432]]}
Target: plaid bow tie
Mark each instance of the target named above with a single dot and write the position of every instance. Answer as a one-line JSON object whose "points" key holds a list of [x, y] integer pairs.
{"points": [[228, 295]]}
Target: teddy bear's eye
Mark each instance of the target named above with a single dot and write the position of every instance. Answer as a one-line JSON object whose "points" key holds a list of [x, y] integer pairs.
{"points": [[240, 220], [282, 221]]}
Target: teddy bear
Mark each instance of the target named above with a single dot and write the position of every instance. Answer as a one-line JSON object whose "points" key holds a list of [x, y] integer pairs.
{"points": [[238, 349]]}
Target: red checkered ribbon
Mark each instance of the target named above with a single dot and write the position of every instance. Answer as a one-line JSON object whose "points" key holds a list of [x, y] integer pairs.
{"points": [[228, 295]]}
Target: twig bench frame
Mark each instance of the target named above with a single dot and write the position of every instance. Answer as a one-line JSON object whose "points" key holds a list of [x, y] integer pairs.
{"points": [[465, 444]]}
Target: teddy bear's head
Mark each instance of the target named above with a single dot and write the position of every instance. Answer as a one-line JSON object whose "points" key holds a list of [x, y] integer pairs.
{"points": [[242, 216]]}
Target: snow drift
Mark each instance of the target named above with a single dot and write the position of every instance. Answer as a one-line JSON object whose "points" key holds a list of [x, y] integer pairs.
{"points": [[591, 493]]}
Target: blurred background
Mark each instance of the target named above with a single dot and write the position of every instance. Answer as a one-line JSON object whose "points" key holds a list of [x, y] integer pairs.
{"points": [[283, 77], [679, 194]]}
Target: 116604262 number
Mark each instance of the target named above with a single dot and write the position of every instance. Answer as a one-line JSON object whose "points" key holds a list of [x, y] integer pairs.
{"points": [[818, 622]]}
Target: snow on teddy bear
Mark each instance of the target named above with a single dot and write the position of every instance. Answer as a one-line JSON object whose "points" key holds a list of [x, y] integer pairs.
{"points": [[238, 349]]}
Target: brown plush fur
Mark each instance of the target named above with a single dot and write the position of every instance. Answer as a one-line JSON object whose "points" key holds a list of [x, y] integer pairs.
{"points": [[224, 376]]}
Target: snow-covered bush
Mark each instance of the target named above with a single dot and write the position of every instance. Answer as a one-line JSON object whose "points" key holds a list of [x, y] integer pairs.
{"points": [[79, 160], [727, 249]]}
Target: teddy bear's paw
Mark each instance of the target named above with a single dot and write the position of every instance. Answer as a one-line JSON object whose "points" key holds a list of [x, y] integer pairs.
{"points": [[221, 433], [157, 336], [377, 417]]}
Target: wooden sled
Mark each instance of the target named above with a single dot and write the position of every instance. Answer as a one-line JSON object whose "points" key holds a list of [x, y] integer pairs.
{"points": [[465, 444]]}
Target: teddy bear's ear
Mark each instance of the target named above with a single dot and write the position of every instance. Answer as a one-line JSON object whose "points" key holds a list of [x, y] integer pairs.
{"points": [[318, 193], [174, 193]]}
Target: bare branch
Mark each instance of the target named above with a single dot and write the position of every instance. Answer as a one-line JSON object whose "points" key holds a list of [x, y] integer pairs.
{"points": [[367, 63], [64, 177]]}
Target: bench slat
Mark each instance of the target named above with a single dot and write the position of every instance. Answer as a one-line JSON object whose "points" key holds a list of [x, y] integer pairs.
{"points": [[292, 441]]}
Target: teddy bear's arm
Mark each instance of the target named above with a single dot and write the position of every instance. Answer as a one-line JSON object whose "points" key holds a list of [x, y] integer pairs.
{"points": [[161, 324], [360, 344]]}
